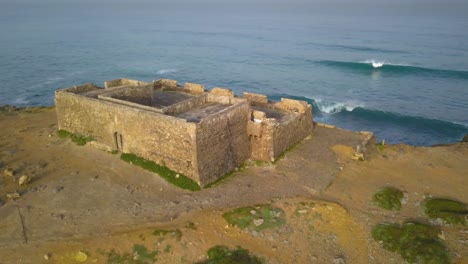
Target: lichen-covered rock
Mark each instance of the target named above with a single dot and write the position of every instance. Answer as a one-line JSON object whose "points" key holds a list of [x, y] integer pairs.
{"points": [[81, 256], [13, 196], [9, 172], [23, 180]]}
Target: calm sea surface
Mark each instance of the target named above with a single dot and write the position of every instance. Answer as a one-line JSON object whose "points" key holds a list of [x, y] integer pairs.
{"points": [[401, 75]]}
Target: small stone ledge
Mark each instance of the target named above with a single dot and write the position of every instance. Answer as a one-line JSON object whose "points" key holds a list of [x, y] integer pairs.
{"points": [[165, 83], [254, 97]]}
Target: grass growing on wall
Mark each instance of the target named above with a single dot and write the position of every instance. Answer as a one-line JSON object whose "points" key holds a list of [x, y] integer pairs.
{"points": [[78, 138], [169, 175]]}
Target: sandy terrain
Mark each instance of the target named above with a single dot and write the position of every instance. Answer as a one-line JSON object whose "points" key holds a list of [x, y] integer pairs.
{"points": [[82, 198]]}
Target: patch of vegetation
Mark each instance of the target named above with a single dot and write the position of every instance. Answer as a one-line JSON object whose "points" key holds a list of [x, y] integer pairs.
{"points": [[388, 198], [223, 255], [256, 218], [176, 234], [140, 255], [78, 138], [415, 242], [113, 152], [169, 175], [449, 211], [168, 249]]}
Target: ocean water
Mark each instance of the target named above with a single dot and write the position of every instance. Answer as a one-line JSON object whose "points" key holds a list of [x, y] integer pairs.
{"points": [[401, 73]]}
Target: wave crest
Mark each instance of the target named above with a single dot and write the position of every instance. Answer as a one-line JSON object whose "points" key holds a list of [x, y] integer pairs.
{"points": [[375, 64], [333, 107], [393, 69]]}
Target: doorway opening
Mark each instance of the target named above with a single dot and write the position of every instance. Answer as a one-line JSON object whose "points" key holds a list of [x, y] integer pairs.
{"points": [[118, 140]]}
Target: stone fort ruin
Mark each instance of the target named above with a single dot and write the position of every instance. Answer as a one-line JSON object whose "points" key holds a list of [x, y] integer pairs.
{"points": [[201, 134]]}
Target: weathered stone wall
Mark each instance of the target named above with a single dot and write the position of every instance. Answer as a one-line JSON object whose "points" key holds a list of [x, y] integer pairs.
{"points": [[222, 142], [164, 139], [270, 137], [123, 82]]}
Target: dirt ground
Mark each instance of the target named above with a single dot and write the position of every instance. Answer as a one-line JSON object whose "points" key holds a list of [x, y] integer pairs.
{"points": [[82, 199]]}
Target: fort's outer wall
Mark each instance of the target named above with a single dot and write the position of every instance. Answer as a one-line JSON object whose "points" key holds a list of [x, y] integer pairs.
{"points": [[222, 142], [292, 132], [163, 139]]}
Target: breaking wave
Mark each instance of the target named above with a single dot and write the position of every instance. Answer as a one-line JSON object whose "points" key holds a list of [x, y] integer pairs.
{"points": [[332, 107], [396, 127], [364, 67]]}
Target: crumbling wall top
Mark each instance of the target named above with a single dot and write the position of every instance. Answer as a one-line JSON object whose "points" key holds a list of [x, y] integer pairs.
{"points": [[78, 89], [222, 91], [292, 105], [255, 97], [123, 82], [165, 84], [194, 88]]}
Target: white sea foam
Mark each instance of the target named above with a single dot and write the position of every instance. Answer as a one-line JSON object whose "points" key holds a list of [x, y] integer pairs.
{"points": [[375, 63], [334, 107], [166, 71], [20, 101]]}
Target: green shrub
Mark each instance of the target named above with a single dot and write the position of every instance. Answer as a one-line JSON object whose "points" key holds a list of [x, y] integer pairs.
{"points": [[223, 255], [449, 211], [78, 138], [169, 175], [388, 198], [256, 218], [415, 242]]}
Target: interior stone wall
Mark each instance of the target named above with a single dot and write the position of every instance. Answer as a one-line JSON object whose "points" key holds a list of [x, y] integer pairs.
{"points": [[185, 105], [136, 94]]}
